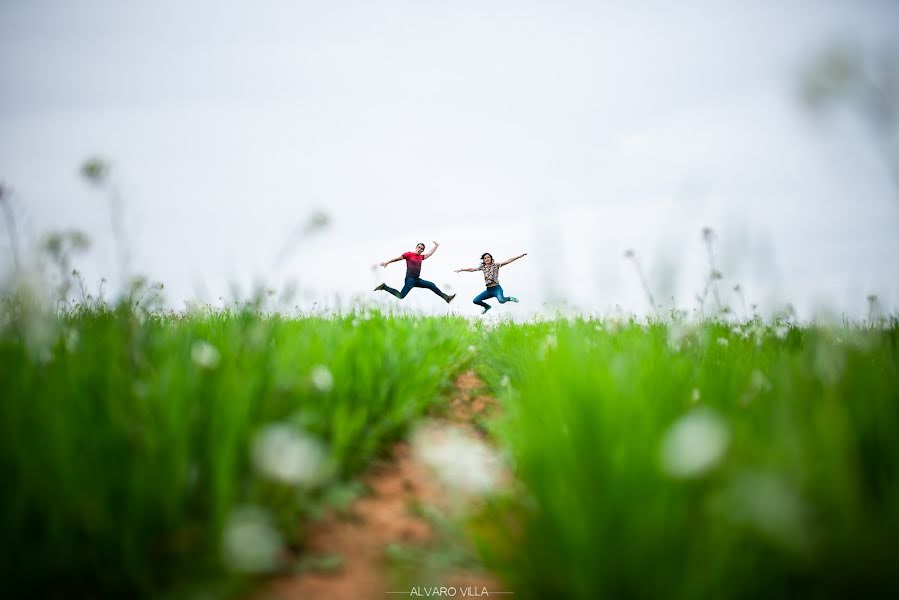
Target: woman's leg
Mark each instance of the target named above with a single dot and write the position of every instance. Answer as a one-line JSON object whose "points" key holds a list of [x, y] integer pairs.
{"points": [[502, 297], [479, 299], [429, 286]]}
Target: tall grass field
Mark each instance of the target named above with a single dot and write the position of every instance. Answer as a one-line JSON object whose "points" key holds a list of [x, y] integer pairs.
{"points": [[151, 455]]}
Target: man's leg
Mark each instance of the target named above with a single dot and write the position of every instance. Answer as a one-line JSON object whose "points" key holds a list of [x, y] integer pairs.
{"points": [[422, 283], [406, 287]]}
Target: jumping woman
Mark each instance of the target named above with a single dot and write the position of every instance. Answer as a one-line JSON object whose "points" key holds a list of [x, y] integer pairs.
{"points": [[491, 278], [413, 272]]}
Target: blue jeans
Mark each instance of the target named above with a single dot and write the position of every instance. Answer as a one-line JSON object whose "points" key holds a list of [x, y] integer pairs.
{"points": [[414, 282], [495, 291]]}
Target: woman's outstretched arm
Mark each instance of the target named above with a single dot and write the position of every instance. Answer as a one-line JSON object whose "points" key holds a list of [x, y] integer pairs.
{"points": [[433, 250], [387, 262], [470, 270], [503, 264]]}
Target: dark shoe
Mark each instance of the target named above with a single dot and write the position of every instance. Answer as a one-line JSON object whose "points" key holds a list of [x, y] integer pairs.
{"points": [[485, 310], [380, 287], [449, 298]]}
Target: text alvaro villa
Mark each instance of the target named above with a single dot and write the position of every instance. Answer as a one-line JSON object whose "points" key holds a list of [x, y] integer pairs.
{"points": [[470, 591]]}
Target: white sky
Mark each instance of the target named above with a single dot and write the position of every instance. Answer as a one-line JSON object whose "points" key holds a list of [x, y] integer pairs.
{"points": [[570, 130]]}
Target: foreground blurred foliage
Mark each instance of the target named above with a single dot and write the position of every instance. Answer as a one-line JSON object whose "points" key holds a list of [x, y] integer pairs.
{"points": [[696, 460], [142, 453]]}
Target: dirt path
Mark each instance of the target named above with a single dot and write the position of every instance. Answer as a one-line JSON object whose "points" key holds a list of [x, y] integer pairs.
{"points": [[403, 489]]}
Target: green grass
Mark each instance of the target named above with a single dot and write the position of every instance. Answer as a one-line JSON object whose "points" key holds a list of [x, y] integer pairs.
{"points": [[696, 462], [654, 460], [126, 440]]}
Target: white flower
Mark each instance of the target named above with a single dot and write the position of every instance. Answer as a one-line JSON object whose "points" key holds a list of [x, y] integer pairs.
{"points": [[321, 378], [504, 382], [758, 382], [205, 355], [678, 335], [250, 542], [769, 504], [461, 461], [281, 453], [694, 444], [722, 342]]}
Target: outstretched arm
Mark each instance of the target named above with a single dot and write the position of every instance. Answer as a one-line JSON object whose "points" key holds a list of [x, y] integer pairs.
{"points": [[503, 264], [387, 262], [469, 270], [433, 250]]}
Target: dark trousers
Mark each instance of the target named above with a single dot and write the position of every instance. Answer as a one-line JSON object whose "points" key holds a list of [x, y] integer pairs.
{"points": [[414, 282]]}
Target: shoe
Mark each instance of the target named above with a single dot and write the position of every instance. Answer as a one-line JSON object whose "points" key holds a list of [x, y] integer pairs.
{"points": [[449, 298], [513, 299], [485, 310], [380, 287]]}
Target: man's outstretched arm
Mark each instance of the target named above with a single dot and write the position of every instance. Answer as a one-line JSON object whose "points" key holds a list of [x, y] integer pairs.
{"points": [[433, 250], [387, 262]]}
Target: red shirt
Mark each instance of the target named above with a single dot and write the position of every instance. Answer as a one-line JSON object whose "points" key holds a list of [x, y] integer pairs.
{"points": [[413, 264]]}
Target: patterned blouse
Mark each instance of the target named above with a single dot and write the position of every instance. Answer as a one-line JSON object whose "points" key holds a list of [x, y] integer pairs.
{"points": [[491, 273]]}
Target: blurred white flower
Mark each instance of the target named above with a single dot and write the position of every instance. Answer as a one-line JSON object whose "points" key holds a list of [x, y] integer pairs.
{"points": [[321, 378], [829, 363], [462, 462], [722, 342], [282, 453], [767, 503], [504, 382], [205, 355], [694, 396], [781, 331], [758, 382], [679, 334], [71, 340], [250, 542], [550, 342], [694, 444]]}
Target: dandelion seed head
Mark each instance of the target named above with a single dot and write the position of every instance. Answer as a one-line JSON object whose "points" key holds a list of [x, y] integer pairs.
{"points": [[250, 542], [205, 355], [462, 462], [321, 379], [283, 453], [767, 503], [694, 444]]}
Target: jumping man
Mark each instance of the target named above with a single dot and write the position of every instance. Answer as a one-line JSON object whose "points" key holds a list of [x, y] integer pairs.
{"points": [[413, 272]]}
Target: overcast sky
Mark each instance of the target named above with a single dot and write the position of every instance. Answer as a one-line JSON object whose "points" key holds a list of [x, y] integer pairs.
{"points": [[569, 130]]}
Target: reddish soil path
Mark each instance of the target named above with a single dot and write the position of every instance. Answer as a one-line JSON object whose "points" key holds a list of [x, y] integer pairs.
{"points": [[386, 516]]}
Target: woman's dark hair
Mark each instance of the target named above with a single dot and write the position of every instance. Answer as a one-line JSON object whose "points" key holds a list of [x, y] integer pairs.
{"points": [[486, 254]]}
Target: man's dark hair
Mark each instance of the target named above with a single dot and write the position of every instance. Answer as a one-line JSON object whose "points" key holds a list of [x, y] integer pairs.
{"points": [[422, 244]]}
